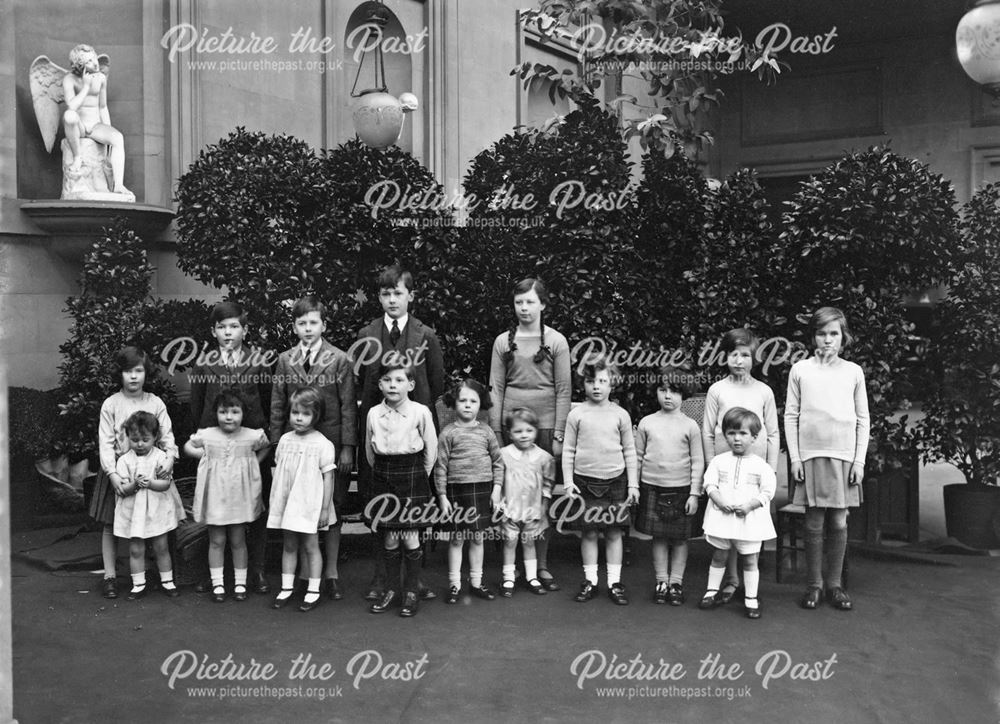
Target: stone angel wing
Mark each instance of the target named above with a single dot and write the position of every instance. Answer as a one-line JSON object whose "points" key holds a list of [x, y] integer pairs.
{"points": [[45, 80]]}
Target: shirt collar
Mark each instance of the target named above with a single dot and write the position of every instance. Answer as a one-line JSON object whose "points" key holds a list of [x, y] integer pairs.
{"points": [[519, 454], [310, 352], [401, 322], [403, 410]]}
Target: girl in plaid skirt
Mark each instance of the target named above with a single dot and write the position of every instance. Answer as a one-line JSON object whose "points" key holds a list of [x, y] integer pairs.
{"points": [[671, 463]]}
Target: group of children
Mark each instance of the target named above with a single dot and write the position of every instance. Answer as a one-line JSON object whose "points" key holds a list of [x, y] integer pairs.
{"points": [[465, 481]]}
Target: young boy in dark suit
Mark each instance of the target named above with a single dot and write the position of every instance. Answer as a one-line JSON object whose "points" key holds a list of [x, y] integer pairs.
{"points": [[395, 330]]}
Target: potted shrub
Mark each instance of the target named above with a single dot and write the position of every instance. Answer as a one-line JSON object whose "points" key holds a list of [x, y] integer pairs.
{"points": [[962, 386]]}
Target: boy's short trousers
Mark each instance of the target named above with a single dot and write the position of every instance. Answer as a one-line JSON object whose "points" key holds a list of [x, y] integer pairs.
{"points": [[526, 529], [744, 547]]}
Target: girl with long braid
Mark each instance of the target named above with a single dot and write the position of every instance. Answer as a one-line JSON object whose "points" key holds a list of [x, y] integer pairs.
{"points": [[531, 368]]}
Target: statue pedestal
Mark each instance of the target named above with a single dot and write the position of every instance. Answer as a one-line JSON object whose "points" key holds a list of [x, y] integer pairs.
{"points": [[88, 180], [73, 225]]}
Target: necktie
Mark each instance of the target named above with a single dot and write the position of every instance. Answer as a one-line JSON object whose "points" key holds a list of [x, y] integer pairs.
{"points": [[394, 333], [306, 364]]}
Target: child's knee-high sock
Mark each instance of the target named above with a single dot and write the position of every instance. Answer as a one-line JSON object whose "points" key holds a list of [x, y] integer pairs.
{"points": [[678, 563], [836, 549], [661, 560], [240, 577], [590, 573], [412, 576], [715, 574], [379, 575], [751, 580], [393, 566], [814, 547], [509, 571]]}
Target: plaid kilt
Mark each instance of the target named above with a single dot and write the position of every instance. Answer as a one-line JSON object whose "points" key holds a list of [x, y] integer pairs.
{"points": [[472, 507], [661, 512], [103, 499], [409, 505], [603, 503]]}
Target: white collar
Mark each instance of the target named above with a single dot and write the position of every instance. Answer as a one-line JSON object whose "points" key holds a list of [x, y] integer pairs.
{"points": [[401, 321]]}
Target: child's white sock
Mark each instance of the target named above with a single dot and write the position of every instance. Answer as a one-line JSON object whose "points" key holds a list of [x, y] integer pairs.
{"points": [[312, 593], [750, 581], [138, 581], [476, 577], [455, 578], [287, 584], [510, 571], [530, 568], [590, 573], [678, 564], [167, 580], [217, 575], [715, 578], [240, 577], [614, 574]]}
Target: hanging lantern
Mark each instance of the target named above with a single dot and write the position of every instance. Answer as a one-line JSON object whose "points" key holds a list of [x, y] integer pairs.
{"points": [[378, 115], [977, 40]]}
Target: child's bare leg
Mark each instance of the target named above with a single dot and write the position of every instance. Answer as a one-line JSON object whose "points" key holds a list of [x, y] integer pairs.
{"points": [[109, 551], [309, 543], [716, 571], [237, 535], [289, 557], [216, 557], [510, 537], [613, 552], [732, 578], [751, 578], [137, 564], [589, 553], [161, 548], [529, 549], [455, 546]]}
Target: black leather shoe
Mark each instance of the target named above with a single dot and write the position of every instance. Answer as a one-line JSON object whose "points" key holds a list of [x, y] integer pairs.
{"points": [[203, 586], [258, 581], [536, 587], [660, 593], [675, 594], [374, 592], [507, 589], [385, 603], [331, 587], [726, 593], [617, 595], [426, 594], [110, 588], [172, 592], [409, 605], [454, 593], [134, 595], [811, 598], [481, 591], [839, 599], [218, 594], [753, 613], [282, 601], [310, 605], [587, 592], [709, 600], [239, 593], [548, 583]]}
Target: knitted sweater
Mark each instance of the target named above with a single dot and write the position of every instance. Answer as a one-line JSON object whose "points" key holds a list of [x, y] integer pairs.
{"points": [[752, 395], [544, 387], [467, 455], [599, 443], [826, 413], [669, 449]]}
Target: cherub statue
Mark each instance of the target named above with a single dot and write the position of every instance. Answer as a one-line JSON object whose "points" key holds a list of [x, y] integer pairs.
{"points": [[86, 123]]}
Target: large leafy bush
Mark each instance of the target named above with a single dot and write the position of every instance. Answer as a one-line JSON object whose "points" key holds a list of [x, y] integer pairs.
{"points": [[861, 235], [961, 392]]}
